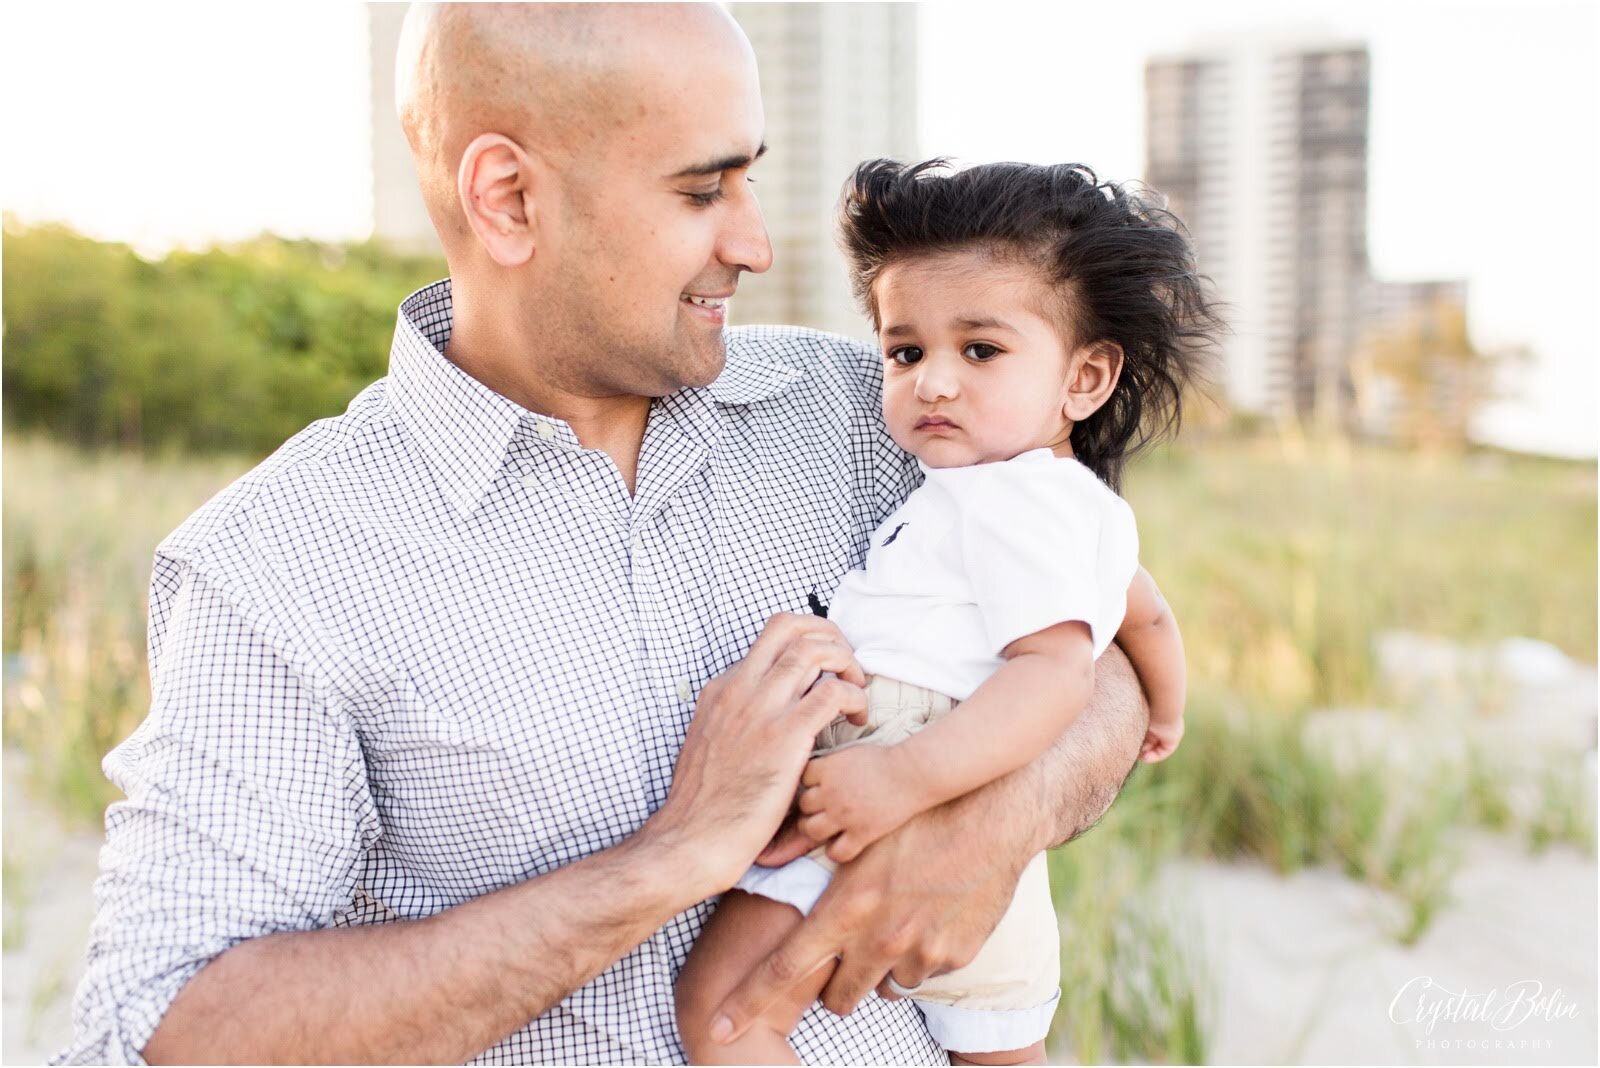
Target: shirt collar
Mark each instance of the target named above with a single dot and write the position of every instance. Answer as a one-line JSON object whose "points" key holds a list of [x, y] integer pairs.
{"points": [[1042, 455], [465, 428], [462, 426], [750, 379]]}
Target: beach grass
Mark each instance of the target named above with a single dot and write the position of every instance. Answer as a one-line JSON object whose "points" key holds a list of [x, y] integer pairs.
{"points": [[80, 532], [1134, 982], [1563, 813], [1282, 557]]}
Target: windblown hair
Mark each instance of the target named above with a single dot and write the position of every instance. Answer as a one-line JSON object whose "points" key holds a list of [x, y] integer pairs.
{"points": [[1121, 267]]}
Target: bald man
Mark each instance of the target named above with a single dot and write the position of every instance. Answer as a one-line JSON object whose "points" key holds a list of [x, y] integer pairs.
{"points": [[467, 704]]}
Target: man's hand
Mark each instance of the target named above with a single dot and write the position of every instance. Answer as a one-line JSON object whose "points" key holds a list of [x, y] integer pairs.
{"points": [[854, 796], [753, 728], [922, 900], [918, 903]]}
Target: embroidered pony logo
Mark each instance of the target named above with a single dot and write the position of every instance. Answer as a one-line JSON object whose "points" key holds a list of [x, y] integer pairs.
{"points": [[890, 539]]}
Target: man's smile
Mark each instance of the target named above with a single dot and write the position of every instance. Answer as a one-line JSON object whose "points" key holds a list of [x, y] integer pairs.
{"points": [[712, 307]]}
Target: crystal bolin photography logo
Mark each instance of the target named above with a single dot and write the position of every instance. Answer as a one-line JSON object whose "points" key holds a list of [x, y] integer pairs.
{"points": [[1422, 1000]]}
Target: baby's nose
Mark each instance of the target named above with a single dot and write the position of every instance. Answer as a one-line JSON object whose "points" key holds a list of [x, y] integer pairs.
{"points": [[935, 384]]}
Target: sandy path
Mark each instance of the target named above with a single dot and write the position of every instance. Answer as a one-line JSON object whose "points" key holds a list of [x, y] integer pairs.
{"points": [[1305, 975], [49, 901]]}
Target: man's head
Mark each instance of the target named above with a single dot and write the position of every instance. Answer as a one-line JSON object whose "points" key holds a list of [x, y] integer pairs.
{"points": [[585, 167]]}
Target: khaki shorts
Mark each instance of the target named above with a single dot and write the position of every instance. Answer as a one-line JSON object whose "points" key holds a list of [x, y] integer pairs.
{"points": [[1005, 998]]}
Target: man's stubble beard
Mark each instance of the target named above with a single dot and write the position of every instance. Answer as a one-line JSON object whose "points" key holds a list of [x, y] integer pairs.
{"points": [[598, 359], [708, 355], [600, 350]]}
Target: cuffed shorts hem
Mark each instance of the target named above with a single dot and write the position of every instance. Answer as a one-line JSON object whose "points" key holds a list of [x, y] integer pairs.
{"points": [[987, 1030], [799, 882]]}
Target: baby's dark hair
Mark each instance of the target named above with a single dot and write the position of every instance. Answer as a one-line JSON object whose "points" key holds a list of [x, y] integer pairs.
{"points": [[1122, 265]]}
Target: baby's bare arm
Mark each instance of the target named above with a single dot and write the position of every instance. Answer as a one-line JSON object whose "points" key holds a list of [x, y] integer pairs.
{"points": [[861, 793], [1150, 637], [1013, 717], [854, 796]]}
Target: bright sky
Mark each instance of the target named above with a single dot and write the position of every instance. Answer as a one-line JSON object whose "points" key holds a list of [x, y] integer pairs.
{"points": [[188, 124]]}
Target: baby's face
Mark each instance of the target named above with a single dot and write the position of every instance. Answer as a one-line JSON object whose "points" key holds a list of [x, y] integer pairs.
{"points": [[973, 370]]}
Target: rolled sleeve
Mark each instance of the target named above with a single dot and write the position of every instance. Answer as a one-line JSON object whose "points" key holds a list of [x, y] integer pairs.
{"points": [[247, 812]]}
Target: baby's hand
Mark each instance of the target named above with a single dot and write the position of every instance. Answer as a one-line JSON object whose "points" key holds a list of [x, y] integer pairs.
{"points": [[855, 794], [1161, 739]]}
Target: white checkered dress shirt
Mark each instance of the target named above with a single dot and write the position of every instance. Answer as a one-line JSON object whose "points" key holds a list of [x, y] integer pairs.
{"points": [[431, 648]]}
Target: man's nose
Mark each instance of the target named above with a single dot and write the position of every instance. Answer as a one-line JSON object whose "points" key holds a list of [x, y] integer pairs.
{"points": [[745, 243]]}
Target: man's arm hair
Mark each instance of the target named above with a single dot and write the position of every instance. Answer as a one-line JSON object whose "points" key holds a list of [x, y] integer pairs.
{"points": [[1082, 774], [431, 991]]}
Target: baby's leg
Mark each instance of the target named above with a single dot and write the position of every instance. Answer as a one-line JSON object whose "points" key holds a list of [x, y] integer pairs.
{"points": [[1033, 1054], [739, 935]]}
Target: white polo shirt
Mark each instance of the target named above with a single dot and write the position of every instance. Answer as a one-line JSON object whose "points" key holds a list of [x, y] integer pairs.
{"points": [[980, 556]]}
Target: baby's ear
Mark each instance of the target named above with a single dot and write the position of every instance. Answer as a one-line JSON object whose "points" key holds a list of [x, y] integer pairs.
{"points": [[1094, 377]]}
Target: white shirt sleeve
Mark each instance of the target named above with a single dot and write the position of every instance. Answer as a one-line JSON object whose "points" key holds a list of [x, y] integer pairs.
{"points": [[248, 810], [1044, 543]]}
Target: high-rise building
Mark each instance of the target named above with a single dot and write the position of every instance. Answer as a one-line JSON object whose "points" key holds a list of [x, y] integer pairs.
{"points": [[1261, 147], [398, 216], [839, 82], [1395, 304]]}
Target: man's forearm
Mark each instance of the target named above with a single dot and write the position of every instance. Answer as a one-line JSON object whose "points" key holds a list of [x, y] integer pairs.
{"points": [[436, 990], [1071, 785], [1084, 771]]}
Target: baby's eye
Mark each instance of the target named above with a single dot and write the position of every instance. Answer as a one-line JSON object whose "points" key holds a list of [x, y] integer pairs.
{"points": [[980, 351], [905, 355]]}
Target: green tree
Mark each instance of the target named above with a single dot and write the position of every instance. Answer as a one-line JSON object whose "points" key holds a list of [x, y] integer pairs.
{"points": [[1423, 380], [231, 348]]}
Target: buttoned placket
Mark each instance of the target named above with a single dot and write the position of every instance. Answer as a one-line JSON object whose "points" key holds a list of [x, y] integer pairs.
{"points": [[679, 440], [679, 437]]}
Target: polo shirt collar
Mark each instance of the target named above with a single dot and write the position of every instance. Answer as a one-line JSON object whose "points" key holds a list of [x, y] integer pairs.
{"points": [[464, 428]]}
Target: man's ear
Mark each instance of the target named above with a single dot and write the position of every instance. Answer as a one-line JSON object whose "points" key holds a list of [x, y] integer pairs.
{"points": [[1098, 368], [495, 183]]}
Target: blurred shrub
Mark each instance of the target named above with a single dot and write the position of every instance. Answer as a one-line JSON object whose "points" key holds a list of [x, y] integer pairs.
{"points": [[229, 349]]}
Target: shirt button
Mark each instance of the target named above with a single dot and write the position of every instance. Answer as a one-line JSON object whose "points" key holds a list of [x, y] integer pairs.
{"points": [[531, 481], [546, 430], [684, 690]]}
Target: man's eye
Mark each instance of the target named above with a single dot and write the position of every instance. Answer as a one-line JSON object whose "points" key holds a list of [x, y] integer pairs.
{"points": [[705, 200], [980, 351], [905, 355]]}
